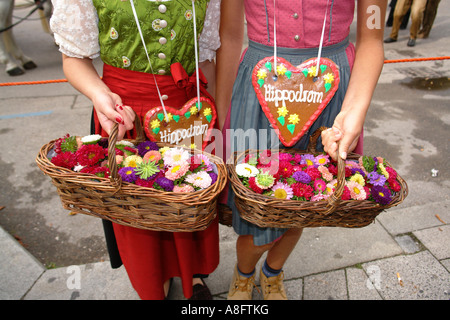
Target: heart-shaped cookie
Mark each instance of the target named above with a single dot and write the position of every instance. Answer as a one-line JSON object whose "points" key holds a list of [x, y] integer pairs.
{"points": [[190, 125], [294, 97]]}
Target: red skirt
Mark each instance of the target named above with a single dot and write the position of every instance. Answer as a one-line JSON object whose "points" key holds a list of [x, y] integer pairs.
{"points": [[152, 257]]}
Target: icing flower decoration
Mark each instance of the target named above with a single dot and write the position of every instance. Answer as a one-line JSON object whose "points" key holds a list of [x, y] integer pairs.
{"points": [[312, 71], [293, 118], [262, 74], [207, 112], [155, 124], [169, 117], [281, 69], [329, 78], [193, 110], [282, 111]]}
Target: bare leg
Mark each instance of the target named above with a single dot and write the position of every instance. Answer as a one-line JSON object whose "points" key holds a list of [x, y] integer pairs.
{"points": [[279, 253], [248, 254]]}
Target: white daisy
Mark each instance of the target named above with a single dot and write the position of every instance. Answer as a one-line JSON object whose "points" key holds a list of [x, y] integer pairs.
{"points": [[246, 170]]}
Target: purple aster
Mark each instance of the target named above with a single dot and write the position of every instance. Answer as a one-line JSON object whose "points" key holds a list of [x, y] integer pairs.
{"points": [[165, 183], [357, 170], [213, 177], [103, 142], [308, 159], [376, 179], [128, 174], [381, 194], [146, 146], [301, 176]]}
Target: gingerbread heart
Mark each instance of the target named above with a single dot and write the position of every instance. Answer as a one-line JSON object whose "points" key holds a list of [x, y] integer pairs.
{"points": [[190, 125], [294, 97]]}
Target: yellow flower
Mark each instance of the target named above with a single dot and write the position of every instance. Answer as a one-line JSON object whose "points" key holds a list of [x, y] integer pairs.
{"points": [[207, 112], [132, 161], [169, 117], [261, 74], [163, 150], [282, 111], [281, 69], [383, 170], [293, 118], [193, 110], [155, 124], [329, 78], [312, 71], [358, 178], [193, 146]]}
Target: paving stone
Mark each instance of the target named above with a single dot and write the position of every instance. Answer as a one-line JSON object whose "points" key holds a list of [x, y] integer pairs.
{"points": [[423, 277]]}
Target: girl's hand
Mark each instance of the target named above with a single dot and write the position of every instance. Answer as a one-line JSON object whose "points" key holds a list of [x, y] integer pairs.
{"points": [[344, 135], [110, 110]]}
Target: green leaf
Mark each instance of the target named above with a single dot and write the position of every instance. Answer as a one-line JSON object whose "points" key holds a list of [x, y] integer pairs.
{"points": [[291, 128]]}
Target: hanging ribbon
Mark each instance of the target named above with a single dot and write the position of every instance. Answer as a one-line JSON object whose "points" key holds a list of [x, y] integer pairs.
{"points": [[148, 58]]}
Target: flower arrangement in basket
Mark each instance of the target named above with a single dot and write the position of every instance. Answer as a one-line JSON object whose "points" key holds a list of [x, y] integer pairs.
{"points": [[146, 164], [292, 188], [138, 183]]}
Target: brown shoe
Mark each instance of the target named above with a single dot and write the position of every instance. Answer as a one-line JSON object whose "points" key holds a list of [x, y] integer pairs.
{"points": [[200, 292], [241, 288], [272, 287]]}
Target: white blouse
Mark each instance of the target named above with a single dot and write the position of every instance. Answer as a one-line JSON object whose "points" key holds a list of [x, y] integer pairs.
{"points": [[74, 24]]}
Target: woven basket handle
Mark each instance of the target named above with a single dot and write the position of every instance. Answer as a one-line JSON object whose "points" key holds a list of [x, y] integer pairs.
{"points": [[115, 178], [335, 198]]}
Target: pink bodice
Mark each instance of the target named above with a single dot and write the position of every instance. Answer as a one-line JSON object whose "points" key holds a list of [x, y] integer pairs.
{"points": [[299, 22]]}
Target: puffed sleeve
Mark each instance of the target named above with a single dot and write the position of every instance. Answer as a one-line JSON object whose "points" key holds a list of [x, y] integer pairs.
{"points": [[209, 40], [74, 24]]}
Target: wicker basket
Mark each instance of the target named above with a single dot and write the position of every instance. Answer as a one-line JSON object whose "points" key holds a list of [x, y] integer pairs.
{"points": [[132, 205], [265, 211]]}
